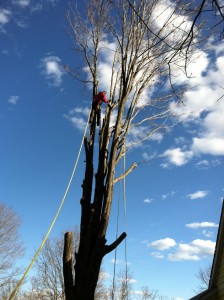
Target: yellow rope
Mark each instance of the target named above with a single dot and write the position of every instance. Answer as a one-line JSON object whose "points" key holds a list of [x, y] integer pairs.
{"points": [[125, 222], [54, 220]]}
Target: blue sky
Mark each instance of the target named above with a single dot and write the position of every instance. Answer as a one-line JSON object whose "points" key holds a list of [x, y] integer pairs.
{"points": [[174, 197]]}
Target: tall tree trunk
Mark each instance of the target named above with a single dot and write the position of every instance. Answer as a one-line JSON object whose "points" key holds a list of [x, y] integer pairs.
{"points": [[67, 267], [94, 220]]}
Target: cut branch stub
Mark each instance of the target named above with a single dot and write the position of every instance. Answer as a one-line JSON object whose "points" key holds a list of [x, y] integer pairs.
{"points": [[67, 266]]}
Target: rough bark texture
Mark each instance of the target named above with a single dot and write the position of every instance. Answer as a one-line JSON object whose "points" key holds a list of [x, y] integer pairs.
{"points": [[94, 217], [67, 266]]}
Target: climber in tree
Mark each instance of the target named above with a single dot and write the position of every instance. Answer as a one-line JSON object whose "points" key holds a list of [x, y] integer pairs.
{"points": [[96, 110]]}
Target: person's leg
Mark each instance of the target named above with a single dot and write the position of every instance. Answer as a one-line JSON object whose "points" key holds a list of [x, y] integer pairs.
{"points": [[98, 113]]}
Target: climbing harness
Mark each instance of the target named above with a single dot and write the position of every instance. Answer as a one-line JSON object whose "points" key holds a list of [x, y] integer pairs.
{"points": [[54, 220]]}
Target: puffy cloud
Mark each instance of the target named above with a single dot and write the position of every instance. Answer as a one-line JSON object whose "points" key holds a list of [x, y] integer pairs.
{"points": [[195, 69], [78, 117], [4, 16], [207, 233], [198, 194], [197, 225], [163, 244], [172, 25], [177, 156], [196, 101], [195, 250], [207, 145], [13, 99], [148, 201], [203, 108], [139, 133], [52, 70], [211, 139]]}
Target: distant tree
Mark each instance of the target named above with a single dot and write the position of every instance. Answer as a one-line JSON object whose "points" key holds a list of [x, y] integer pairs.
{"points": [[49, 283], [125, 285], [148, 294], [139, 63], [10, 247], [122, 286], [7, 288], [204, 278]]}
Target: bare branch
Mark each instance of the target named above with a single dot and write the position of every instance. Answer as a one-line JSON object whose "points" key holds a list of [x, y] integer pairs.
{"points": [[132, 167]]}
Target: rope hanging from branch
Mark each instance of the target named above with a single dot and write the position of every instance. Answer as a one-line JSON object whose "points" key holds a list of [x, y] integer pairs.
{"points": [[54, 220]]}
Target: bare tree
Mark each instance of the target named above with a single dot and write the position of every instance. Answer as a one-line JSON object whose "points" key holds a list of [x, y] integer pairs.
{"points": [[139, 63], [205, 19], [10, 245], [204, 277], [49, 283], [148, 294], [125, 286]]}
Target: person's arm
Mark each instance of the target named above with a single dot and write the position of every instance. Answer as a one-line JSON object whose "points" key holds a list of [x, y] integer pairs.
{"points": [[104, 98]]}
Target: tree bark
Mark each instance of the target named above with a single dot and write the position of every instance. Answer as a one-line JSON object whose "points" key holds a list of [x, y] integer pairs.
{"points": [[67, 267]]}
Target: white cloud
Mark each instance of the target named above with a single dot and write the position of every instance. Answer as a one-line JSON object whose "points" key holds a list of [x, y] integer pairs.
{"points": [[195, 103], [202, 108], [207, 233], [205, 164], [213, 146], [157, 255], [163, 244], [22, 3], [13, 99], [171, 194], [171, 25], [197, 225], [119, 262], [148, 157], [177, 156], [78, 117], [52, 70], [36, 7], [137, 134], [198, 195], [80, 110], [148, 201], [195, 250], [4, 16], [78, 122]]}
